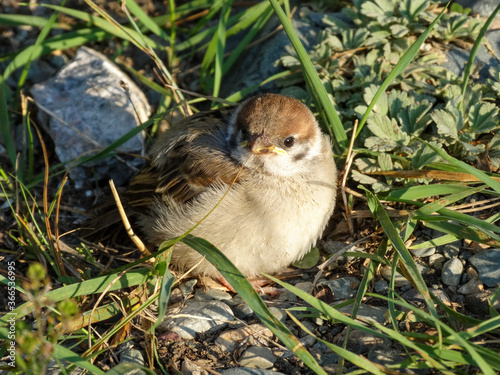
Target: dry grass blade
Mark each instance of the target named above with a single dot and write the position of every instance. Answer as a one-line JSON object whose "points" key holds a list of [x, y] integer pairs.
{"points": [[55, 249], [126, 223], [345, 173], [437, 175]]}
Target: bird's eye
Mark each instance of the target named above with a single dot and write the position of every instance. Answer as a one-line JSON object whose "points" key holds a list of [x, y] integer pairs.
{"points": [[289, 141], [244, 134]]}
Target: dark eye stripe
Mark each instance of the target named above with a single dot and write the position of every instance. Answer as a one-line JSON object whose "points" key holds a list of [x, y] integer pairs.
{"points": [[302, 154]]}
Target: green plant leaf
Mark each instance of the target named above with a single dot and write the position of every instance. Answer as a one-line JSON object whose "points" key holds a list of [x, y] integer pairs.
{"points": [[483, 117], [447, 122]]}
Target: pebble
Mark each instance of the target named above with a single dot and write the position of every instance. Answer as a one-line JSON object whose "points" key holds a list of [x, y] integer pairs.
{"points": [[242, 311], [367, 313], [304, 286], [131, 355], [288, 296], [330, 359], [472, 286], [450, 250], [478, 303], [343, 287], [258, 357], [191, 368], [414, 295], [198, 317], [188, 287], [308, 341], [248, 371], [452, 272], [399, 280], [424, 252], [436, 260], [361, 341], [381, 286], [280, 314], [487, 265], [212, 294], [254, 334], [384, 356]]}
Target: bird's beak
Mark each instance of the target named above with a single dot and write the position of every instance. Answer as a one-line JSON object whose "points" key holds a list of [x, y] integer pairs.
{"points": [[261, 145]]}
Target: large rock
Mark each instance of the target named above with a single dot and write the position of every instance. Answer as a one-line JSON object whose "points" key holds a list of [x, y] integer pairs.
{"points": [[88, 105]]}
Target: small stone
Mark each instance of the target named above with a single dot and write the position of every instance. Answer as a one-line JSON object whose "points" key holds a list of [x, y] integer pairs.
{"points": [[385, 357], [258, 357], [478, 303], [436, 260], [308, 341], [381, 286], [287, 296], [472, 286], [424, 252], [254, 334], [190, 368], [471, 273], [365, 312], [343, 287], [422, 268], [361, 342], [399, 280], [212, 294], [248, 371], [450, 250], [465, 255], [310, 326], [452, 271], [278, 313], [304, 286], [242, 311], [188, 287], [333, 247], [442, 296], [198, 317], [328, 360], [134, 356], [487, 265]]}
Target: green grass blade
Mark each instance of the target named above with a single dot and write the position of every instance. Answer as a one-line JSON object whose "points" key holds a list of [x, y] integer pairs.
{"points": [[68, 40], [475, 48], [326, 309], [397, 242], [466, 168], [25, 20], [122, 32], [220, 47], [398, 69], [355, 359], [424, 191], [334, 124], [264, 15], [97, 285], [248, 293], [430, 208], [5, 129], [452, 337], [147, 21]]}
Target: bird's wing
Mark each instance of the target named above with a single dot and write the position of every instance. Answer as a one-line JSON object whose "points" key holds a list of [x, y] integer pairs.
{"points": [[192, 156]]}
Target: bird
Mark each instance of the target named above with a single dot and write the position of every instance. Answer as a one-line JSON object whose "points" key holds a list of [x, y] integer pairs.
{"points": [[272, 162]]}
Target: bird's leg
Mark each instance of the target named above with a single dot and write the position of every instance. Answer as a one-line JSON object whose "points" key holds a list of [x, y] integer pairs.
{"points": [[260, 284]]}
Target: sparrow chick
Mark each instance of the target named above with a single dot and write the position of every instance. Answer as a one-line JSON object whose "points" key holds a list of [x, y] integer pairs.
{"points": [[279, 205]]}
